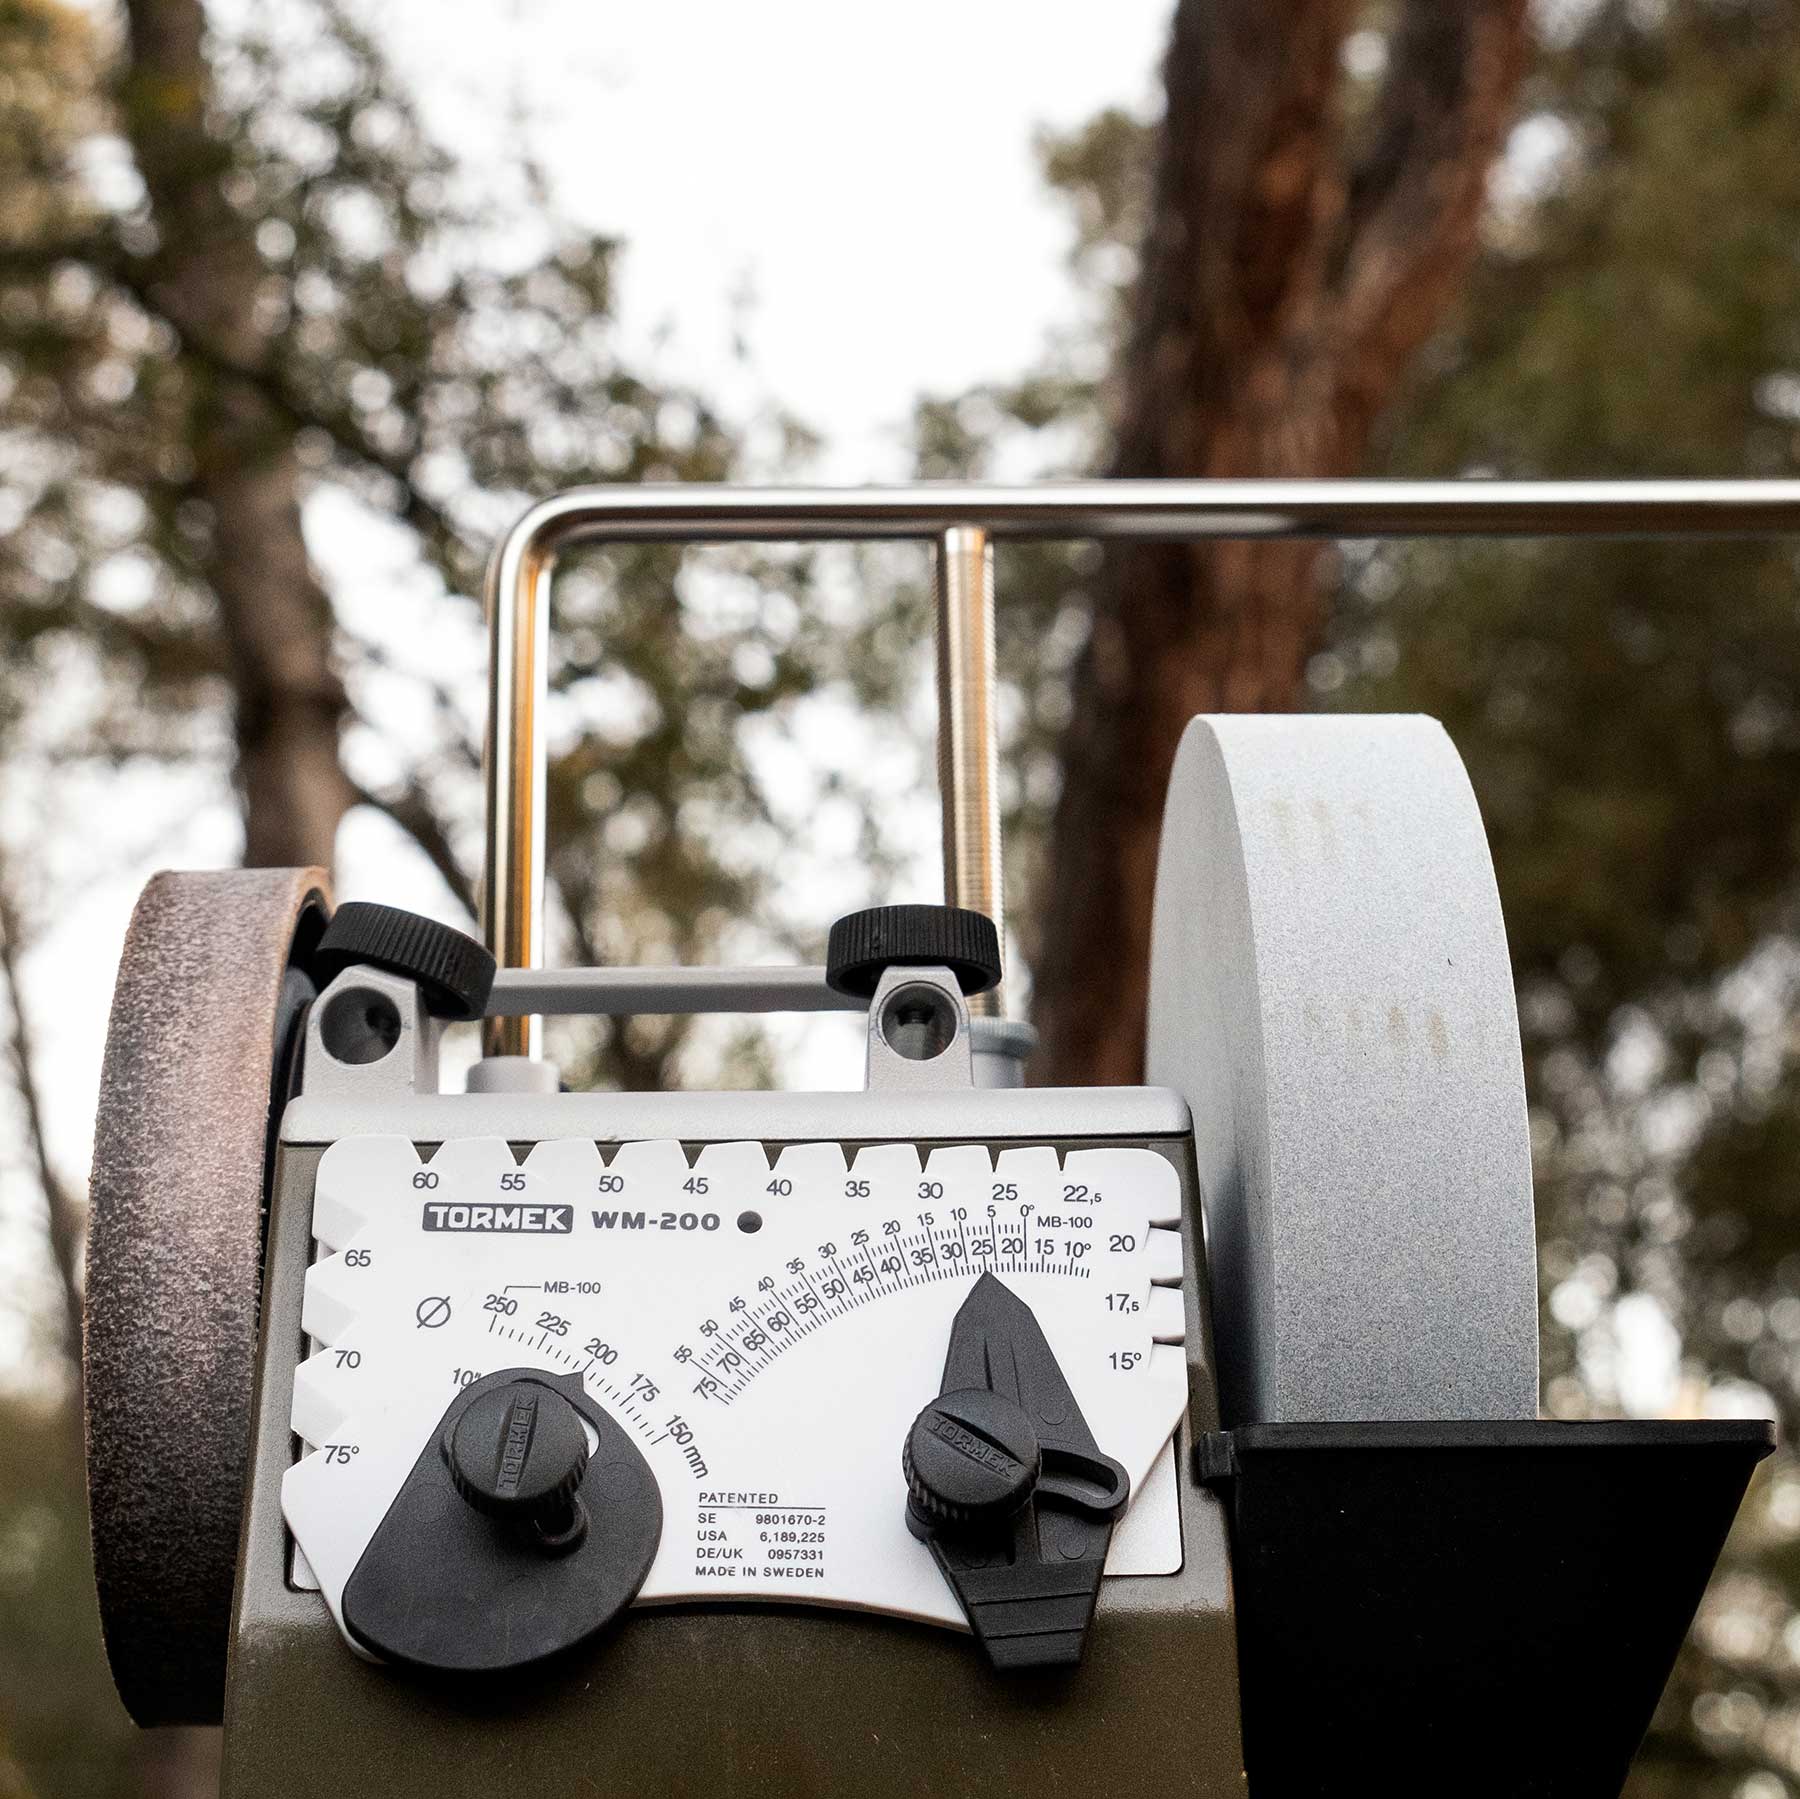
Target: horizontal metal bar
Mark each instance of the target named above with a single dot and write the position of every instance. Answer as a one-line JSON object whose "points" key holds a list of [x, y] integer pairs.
{"points": [[625, 992], [1166, 510]]}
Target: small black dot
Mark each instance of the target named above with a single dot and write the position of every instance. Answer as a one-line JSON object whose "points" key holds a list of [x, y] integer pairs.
{"points": [[749, 1221]]}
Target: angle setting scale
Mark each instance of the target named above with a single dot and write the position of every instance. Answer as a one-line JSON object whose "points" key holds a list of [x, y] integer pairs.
{"points": [[764, 1325]]}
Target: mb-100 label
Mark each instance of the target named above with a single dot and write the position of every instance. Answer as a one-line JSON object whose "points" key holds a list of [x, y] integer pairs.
{"points": [[765, 1325]]}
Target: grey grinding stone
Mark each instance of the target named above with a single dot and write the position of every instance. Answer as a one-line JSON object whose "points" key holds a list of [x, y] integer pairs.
{"points": [[1331, 993]]}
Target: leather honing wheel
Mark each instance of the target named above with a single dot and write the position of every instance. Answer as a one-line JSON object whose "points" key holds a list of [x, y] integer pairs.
{"points": [[205, 1020]]}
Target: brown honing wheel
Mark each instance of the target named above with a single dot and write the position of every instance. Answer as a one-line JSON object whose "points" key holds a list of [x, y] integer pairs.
{"points": [[206, 985]]}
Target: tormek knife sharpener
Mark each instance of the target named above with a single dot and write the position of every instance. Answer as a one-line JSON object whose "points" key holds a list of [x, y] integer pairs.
{"points": [[948, 1436]]}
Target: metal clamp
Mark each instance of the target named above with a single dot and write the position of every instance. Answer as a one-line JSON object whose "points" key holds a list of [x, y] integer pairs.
{"points": [[963, 522]]}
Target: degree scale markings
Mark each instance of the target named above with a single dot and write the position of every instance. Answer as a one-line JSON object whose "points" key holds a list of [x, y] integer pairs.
{"points": [[871, 1281]]}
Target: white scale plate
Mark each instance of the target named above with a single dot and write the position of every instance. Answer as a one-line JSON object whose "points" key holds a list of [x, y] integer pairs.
{"points": [[765, 1331]]}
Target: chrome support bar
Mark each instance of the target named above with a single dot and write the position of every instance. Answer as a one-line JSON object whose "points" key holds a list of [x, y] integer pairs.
{"points": [[512, 889], [519, 582], [968, 748]]}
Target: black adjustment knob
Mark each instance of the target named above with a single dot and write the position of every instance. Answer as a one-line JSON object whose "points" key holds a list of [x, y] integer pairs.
{"points": [[454, 973], [971, 1462], [518, 1454], [865, 945]]}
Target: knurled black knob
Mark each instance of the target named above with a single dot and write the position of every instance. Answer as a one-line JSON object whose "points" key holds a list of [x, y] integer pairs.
{"points": [[454, 973], [863, 946], [518, 1453], [971, 1461]]}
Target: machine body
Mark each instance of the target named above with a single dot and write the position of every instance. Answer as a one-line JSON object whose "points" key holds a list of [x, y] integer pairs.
{"points": [[747, 1692], [945, 1436]]}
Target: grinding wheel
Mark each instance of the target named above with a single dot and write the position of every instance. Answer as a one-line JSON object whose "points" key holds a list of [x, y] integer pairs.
{"points": [[205, 1027], [1330, 991]]}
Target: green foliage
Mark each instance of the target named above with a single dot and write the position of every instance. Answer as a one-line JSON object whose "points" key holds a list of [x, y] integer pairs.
{"points": [[1049, 423], [443, 349], [1630, 715]]}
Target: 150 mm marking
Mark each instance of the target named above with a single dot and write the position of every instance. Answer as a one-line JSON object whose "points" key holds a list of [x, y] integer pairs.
{"points": [[633, 1399]]}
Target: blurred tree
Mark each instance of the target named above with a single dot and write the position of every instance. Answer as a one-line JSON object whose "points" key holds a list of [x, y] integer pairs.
{"points": [[1631, 718], [1630, 715], [251, 313], [1255, 271], [237, 275], [204, 277], [1304, 233]]}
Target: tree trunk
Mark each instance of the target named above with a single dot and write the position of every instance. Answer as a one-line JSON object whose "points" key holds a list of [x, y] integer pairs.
{"points": [[1285, 281], [274, 617]]}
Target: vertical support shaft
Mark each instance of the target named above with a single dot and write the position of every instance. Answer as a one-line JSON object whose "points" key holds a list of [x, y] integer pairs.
{"points": [[512, 900], [968, 753]]}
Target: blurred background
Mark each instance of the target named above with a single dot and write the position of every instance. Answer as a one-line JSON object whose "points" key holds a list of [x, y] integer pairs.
{"points": [[300, 304]]}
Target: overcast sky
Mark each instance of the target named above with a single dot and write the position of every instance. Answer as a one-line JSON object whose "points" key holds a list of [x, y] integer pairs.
{"points": [[864, 174]]}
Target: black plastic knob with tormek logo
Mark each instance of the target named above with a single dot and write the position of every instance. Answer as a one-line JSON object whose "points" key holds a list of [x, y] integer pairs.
{"points": [[971, 1461], [518, 1453], [1008, 1489], [527, 1524]]}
